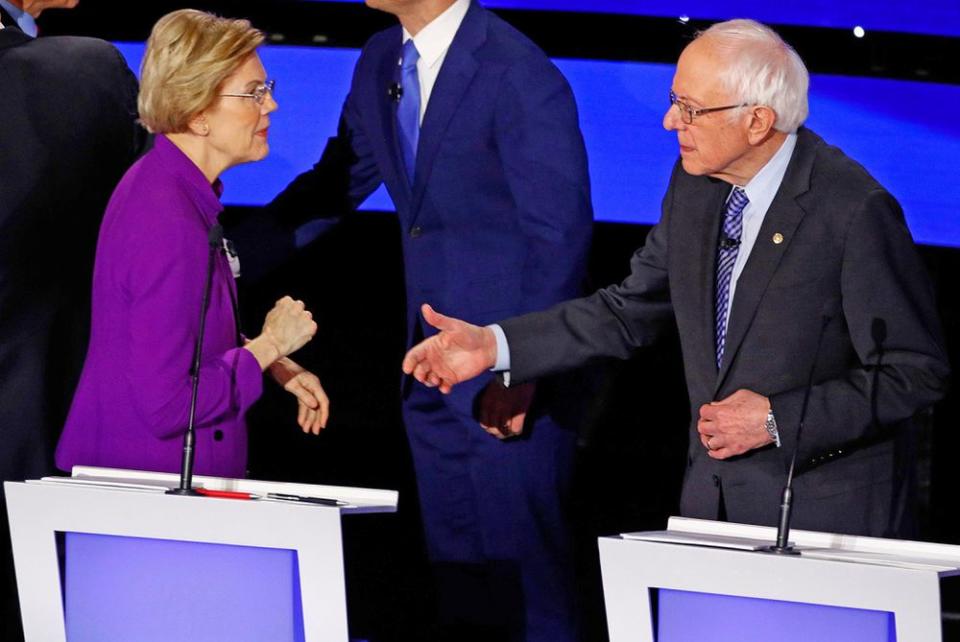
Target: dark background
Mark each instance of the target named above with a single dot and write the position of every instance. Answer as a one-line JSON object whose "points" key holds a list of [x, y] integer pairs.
{"points": [[633, 441]]}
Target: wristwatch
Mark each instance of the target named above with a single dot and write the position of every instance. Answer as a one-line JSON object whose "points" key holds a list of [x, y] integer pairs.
{"points": [[771, 426]]}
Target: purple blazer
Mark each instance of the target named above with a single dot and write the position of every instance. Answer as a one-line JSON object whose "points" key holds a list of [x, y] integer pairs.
{"points": [[131, 406]]}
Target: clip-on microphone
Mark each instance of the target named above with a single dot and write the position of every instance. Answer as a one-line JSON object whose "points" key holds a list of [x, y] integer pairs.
{"points": [[395, 91]]}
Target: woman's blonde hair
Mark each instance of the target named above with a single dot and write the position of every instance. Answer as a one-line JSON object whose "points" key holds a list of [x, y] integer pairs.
{"points": [[189, 55]]}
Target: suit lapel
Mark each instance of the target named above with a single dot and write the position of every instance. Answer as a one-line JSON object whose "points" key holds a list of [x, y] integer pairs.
{"points": [[458, 69], [386, 77], [783, 218], [12, 36]]}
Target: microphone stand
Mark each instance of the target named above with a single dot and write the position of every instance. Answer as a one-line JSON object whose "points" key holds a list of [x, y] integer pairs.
{"points": [[215, 239], [783, 547]]}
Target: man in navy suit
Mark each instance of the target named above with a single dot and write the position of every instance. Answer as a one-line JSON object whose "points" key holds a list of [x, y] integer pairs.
{"points": [[475, 134]]}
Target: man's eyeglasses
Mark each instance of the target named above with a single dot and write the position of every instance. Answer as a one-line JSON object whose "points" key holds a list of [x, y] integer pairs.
{"points": [[688, 113], [259, 94]]}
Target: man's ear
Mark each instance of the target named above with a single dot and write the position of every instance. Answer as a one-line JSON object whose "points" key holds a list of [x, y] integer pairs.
{"points": [[762, 121]]}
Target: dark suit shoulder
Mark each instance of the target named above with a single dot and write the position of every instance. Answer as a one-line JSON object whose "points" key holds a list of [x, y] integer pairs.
{"points": [[834, 172], [511, 42], [381, 43], [525, 66], [67, 53], [526, 61]]}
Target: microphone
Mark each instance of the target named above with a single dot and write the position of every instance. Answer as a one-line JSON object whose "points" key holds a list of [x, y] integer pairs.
{"points": [[215, 239], [395, 91], [782, 547], [727, 243]]}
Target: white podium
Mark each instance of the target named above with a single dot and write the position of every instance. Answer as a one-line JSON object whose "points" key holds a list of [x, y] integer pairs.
{"points": [[130, 507], [709, 573]]}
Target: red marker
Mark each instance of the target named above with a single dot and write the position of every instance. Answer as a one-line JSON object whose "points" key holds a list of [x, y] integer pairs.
{"points": [[226, 494]]}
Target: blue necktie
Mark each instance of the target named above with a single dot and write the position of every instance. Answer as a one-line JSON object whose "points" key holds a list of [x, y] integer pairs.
{"points": [[727, 252], [408, 111]]}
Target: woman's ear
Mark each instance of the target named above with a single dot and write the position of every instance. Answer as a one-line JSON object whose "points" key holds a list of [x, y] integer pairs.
{"points": [[199, 126]]}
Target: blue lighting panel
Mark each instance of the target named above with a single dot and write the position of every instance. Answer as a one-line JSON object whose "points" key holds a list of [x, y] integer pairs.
{"points": [[728, 618], [937, 17], [901, 131], [119, 589]]}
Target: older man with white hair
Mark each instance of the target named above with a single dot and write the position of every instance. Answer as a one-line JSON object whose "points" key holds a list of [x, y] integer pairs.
{"points": [[782, 262]]}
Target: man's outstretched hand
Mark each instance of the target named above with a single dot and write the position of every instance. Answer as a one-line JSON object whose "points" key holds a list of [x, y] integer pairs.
{"points": [[459, 352]]}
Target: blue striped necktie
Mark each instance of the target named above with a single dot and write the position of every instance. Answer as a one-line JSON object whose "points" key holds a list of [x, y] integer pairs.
{"points": [[408, 111], [727, 251]]}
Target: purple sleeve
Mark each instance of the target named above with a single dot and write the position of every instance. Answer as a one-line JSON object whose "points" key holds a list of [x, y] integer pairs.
{"points": [[164, 279]]}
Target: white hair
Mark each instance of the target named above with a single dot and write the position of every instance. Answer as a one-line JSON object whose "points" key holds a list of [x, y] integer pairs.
{"points": [[762, 70]]}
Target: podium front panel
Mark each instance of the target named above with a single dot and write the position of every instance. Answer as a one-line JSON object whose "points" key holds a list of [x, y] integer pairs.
{"points": [[39, 511], [681, 616], [632, 569], [118, 589]]}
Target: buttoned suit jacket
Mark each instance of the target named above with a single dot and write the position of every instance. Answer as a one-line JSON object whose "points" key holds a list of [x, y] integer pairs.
{"points": [[497, 222], [67, 133], [833, 257]]}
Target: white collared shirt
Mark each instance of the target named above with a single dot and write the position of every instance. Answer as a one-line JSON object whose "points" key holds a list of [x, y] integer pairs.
{"points": [[432, 43], [761, 191]]}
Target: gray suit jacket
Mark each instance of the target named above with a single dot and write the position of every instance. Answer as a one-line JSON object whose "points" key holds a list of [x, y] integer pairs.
{"points": [[847, 261]]}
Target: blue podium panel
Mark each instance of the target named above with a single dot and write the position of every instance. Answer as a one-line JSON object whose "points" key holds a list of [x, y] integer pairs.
{"points": [[119, 589], [683, 616]]}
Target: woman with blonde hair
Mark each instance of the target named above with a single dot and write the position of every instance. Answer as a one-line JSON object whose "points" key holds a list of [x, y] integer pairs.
{"points": [[205, 95]]}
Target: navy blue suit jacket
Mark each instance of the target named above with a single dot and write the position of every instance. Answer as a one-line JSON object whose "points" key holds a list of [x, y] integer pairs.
{"points": [[498, 220]]}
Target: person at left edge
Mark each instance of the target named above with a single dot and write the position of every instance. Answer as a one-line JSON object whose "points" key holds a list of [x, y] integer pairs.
{"points": [[68, 132], [475, 133], [204, 92], [22, 14]]}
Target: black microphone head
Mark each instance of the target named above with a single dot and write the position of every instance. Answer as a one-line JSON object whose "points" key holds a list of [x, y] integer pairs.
{"points": [[728, 243], [878, 330], [395, 91], [215, 237]]}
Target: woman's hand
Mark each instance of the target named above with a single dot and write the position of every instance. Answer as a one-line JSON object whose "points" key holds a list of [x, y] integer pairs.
{"points": [[287, 328], [312, 401]]}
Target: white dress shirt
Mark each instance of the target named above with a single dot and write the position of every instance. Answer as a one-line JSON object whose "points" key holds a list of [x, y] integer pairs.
{"points": [[761, 191], [432, 42]]}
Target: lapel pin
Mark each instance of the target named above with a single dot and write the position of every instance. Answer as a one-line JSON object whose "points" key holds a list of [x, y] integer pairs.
{"points": [[778, 238]]}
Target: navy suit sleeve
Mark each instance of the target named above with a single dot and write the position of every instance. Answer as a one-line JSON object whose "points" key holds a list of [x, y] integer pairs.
{"points": [[344, 177], [610, 323], [883, 281], [545, 164]]}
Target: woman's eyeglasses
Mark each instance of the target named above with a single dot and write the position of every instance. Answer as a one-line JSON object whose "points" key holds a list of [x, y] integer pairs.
{"points": [[259, 94]]}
